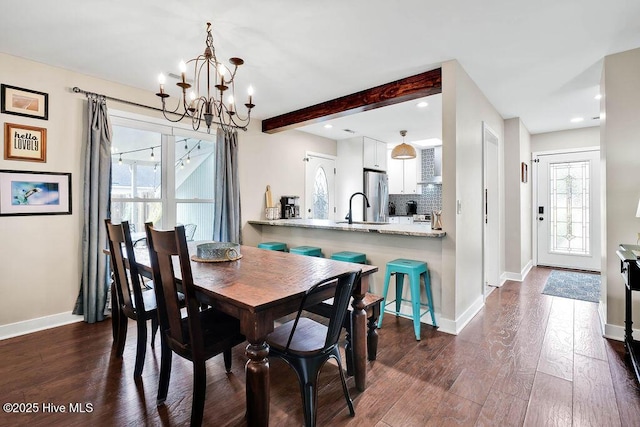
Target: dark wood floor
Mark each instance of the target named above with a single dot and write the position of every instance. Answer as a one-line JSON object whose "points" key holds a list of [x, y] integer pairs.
{"points": [[526, 359]]}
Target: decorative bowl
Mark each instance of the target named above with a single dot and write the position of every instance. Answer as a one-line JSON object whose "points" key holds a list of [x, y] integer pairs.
{"points": [[217, 252]]}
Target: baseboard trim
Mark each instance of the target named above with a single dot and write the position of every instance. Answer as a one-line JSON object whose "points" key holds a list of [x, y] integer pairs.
{"points": [[445, 325], [33, 325], [518, 277], [615, 332], [469, 314]]}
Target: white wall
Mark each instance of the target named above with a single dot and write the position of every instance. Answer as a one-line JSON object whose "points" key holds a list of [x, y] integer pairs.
{"points": [[620, 150], [517, 200], [40, 268], [275, 160], [566, 139], [464, 108]]}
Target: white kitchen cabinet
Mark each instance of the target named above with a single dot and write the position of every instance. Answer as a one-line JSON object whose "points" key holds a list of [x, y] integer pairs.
{"points": [[374, 154], [404, 175]]}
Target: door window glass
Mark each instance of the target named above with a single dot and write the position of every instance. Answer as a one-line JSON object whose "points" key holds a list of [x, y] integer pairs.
{"points": [[569, 198], [320, 195]]}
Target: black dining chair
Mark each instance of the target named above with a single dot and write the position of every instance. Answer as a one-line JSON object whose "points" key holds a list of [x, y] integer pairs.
{"points": [[202, 334], [130, 299], [306, 345]]}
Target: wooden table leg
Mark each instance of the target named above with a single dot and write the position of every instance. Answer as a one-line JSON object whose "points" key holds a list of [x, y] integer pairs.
{"points": [[359, 335], [257, 372], [372, 334]]}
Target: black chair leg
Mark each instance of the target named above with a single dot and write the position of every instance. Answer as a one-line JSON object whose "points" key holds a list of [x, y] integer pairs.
{"points": [[227, 359], [165, 371], [154, 330], [142, 347], [122, 334], [199, 392], [115, 310], [309, 403], [345, 389], [307, 373]]}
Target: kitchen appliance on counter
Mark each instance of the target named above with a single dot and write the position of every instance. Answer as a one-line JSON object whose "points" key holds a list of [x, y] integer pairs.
{"points": [[392, 208], [376, 188], [290, 207], [412, 207]]}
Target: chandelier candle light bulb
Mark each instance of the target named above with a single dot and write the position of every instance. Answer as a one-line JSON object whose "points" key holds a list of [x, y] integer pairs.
{"points": [[161, 80], [206, 104]]}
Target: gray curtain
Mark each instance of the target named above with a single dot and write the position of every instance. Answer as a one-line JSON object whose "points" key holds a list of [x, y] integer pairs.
{"points": [[97, 192], [226, 222]]}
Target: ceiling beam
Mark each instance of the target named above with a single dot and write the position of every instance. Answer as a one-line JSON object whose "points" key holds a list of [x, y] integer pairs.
{"points": [[418, 86]]}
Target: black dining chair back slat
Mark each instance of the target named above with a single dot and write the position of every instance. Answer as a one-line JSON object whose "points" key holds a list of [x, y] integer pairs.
{"points": [[203, 334], [130, 300]]}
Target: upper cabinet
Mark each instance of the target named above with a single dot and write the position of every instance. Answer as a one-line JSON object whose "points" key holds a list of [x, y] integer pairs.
{"points": [[374, 154], [404, 175]]}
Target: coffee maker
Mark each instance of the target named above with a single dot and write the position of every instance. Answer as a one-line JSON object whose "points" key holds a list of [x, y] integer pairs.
{"points": [[290, 207]]}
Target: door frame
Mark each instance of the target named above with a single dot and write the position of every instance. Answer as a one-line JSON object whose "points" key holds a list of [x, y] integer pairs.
{"points": [[534, 192], [332, 209], [485, 257]]}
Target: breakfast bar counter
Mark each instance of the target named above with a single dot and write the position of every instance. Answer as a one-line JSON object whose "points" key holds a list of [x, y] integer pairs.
{"points": [[416, 229], [380, 242]]}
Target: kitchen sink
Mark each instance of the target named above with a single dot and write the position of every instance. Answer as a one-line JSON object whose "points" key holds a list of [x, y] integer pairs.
{"points": [[363, 222]]}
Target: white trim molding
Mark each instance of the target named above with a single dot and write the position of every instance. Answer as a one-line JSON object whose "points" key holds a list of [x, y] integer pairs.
{"points": [[517, 277], [34, 325]]}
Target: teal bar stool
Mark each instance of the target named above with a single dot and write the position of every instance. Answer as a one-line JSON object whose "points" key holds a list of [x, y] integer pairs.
{"points": [[414, 269], [307, 250], [357, 257], [273, 246]]}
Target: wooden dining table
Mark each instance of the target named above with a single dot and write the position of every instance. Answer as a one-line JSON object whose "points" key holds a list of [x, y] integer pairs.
{"points": [[261, 287]]}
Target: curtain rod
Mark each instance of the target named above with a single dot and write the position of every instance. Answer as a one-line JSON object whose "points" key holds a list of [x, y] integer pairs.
{"points": [[76, 89]]}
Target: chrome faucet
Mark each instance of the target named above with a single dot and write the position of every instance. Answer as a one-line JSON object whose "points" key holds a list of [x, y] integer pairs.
{"points": [[350, 214]]}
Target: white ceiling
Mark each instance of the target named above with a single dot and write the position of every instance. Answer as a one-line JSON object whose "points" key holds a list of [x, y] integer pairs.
{"points": [[537, 60]]}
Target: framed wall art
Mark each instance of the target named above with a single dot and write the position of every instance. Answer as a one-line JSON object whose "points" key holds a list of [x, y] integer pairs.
{"points": [[24, 102], [524, 172], [34, 193], [26, 143]]}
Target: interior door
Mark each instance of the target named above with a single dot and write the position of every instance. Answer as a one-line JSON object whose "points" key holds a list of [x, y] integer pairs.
{"points": [[568, 210], [491, 214], [320, 186]]}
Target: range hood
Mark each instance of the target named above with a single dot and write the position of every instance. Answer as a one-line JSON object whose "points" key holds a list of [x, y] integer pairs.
{"points": [[437, 167]]}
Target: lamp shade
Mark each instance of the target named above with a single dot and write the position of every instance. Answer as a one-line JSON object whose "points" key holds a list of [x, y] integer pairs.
{"points": [[403, 151], [638, 210]]}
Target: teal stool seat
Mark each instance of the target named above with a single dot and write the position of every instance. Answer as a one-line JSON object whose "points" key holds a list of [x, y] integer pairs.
{"points": [[307, 250], [273, 246], [413, 269], [357, 257]]}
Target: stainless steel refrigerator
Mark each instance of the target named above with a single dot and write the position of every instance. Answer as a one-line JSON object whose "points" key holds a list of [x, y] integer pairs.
{"points": [[376, 187]]}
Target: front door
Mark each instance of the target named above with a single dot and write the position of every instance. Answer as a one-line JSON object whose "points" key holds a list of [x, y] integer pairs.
{"points": [[567, 211], [319, 186]]}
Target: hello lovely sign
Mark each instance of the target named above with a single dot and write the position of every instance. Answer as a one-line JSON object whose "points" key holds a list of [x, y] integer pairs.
{"points": [[27, 143]]}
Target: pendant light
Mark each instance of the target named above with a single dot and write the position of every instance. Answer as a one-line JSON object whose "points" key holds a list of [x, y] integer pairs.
{"points": [[403, 151]]}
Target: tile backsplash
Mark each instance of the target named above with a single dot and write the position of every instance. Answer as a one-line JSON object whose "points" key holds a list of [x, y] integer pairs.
{"points": [[431, 197]]}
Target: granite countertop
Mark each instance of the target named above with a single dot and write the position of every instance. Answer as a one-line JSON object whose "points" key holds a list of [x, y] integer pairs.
{"points": [[416, 229]]}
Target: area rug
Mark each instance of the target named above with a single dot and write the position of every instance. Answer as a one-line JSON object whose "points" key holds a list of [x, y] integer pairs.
{"points": [[569, 284]]}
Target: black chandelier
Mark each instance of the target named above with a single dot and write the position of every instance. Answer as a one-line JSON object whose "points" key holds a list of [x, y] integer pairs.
{"points": [[211, 79]]}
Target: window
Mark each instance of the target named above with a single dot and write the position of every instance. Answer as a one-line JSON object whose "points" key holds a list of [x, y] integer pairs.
{"points": [[164, 175]]}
